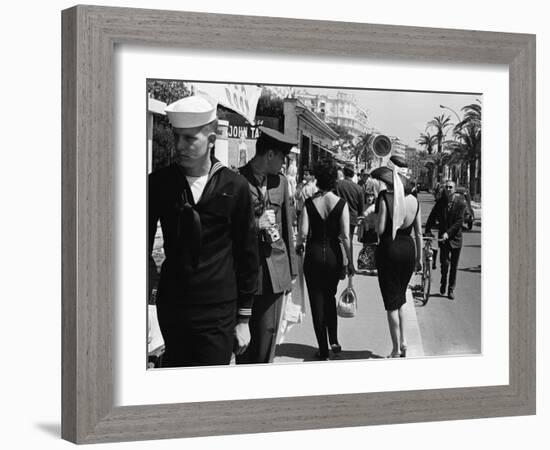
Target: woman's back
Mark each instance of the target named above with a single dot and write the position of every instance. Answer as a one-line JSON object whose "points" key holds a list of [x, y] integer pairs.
{"points": [[324, 211], [323, 253], [325, 203], [412, 207], [395, 256]]}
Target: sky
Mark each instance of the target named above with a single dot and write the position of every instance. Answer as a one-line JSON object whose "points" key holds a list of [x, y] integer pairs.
{"points": [[404, 114]]}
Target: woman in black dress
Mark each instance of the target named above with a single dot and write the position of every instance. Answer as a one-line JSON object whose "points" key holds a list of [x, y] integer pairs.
{"points": [[396, 255], [325, 223]]}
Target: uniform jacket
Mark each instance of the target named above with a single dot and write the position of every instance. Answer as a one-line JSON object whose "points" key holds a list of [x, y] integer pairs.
{"points": [[449, 219], [277, 259], [210, 247], [354, 196]]}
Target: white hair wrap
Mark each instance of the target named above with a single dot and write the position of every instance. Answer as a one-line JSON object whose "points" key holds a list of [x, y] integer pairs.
{"points": [[398, 216]]}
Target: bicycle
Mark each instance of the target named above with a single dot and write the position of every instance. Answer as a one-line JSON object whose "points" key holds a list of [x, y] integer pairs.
{"points": [[427, 266]]}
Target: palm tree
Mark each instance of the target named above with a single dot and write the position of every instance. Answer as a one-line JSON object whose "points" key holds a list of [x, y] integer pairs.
{"points": [[472, 116], [467, 144], [427, 141], [441, 124], [356, 151], [364, 149]]}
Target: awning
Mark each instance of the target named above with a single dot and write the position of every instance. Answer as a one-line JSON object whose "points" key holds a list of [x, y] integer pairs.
{"points": [[156, 106]]}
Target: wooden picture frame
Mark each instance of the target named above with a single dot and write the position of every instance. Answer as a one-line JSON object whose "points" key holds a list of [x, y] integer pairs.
{"points": [[89, 37]]}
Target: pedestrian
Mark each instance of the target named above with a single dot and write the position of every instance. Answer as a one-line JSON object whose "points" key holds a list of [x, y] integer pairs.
{"points": [[305, 190], [448, 212], [324, 223], [273, 216], [397, 255], [367, 232], [291, 177], [363, 176], [354, 197], [208, 278], [340, 175], [363, 181]]}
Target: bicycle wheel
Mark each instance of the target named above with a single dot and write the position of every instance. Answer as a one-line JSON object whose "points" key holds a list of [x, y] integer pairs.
{"points": [[426, 281]]}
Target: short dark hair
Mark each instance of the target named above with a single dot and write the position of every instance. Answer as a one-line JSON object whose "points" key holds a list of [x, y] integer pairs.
{"points": [[326, 174], [348, 172]]}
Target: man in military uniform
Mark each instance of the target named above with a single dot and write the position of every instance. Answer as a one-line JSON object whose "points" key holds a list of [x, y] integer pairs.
{"points": [[209, 276], [273, 216]]}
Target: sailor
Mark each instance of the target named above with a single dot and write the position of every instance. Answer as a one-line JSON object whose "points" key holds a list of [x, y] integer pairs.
{"points": [[208, 279]]}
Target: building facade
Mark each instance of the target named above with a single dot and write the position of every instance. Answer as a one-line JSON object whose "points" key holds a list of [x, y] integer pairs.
{"points": [[341, 110]]}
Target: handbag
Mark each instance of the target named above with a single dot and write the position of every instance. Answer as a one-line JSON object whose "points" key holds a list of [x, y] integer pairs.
{"points": [[362, 259], [346, 305]]}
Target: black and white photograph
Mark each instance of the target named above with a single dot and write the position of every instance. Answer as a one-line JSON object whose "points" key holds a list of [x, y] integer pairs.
{"points": [[291, 224], [275, 225]]}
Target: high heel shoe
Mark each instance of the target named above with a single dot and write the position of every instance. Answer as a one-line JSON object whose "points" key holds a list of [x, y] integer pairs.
{"points": [[403, 353], [394, 355], [336, 348], [321, 357]]}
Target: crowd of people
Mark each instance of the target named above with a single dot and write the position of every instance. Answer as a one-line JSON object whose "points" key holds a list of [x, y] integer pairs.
{"points": [[231, 240]]}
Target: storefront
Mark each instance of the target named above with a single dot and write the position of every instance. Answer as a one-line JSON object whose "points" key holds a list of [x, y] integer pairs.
{"points": [[242, 136]]}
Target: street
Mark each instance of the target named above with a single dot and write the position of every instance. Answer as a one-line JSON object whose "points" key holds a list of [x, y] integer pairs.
{"points": [[452, 327], [441, 327]]}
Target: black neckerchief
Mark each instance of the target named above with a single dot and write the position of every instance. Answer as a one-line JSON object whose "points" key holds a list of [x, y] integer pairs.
{"points": [[189, 227]]}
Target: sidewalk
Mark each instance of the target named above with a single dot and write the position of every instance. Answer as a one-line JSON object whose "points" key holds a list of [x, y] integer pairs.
{"points": [[362, 337]]}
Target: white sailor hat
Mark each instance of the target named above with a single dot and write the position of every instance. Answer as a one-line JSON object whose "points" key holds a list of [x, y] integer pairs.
{"points": [[191, 112]]}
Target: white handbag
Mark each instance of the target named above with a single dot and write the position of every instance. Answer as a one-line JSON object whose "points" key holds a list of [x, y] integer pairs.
{"points": [[346, 305]]}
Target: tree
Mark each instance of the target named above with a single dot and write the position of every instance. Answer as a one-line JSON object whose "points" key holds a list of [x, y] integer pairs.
{"points": [[364, 146], [472, 117], [166, 91], [467, 144], [356, 152], [441, 124], [427, 141], [270, 105]]}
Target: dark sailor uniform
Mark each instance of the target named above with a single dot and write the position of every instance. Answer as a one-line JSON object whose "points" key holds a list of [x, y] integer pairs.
{"points": [[210, 273]]}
